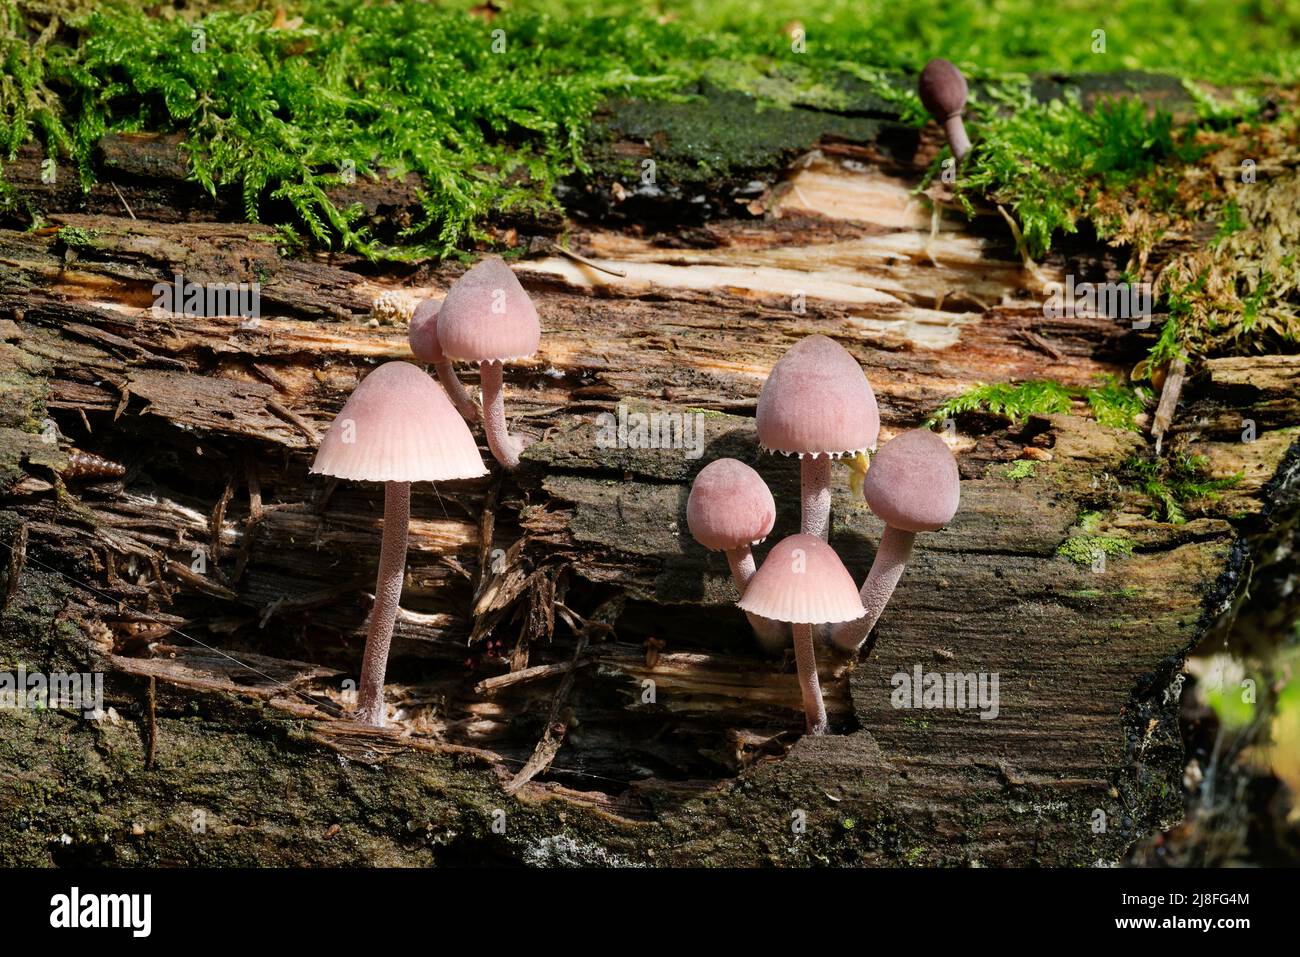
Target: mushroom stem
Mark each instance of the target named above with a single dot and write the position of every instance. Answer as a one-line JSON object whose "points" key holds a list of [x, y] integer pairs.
{"points": [[806, 661], [769, 633], [957, 138], [456, 391], [388, 591], [891, 558], [505, 447], [815, 489]]}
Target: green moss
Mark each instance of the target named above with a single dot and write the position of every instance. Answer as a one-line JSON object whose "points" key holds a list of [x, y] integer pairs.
{"points": [[1088, 549], [1089, 522], [281, 115], [1176, 483], [1239, 294], [1230, 221], [75, 236], [1012, 402], [719, 136], [1020, 469], [493, 113], [1048, 164], [1113, 404]]}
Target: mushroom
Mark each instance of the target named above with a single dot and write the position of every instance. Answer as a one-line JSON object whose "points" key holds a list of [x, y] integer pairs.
{"points": [[730, 508], [488, 318], [817, 404], [913, 486], [397, 427], [943, 94], [423, 338], [803, 581]]}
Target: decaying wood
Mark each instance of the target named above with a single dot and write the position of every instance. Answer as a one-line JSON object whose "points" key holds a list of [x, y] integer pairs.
{"points": [[1168, 404], [539, 607]]}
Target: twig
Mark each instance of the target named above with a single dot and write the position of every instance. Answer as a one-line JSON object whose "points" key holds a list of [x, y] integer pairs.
{"points": [[587, 262], [153, 723], [557, 725], [493, 685], [1041, 344], [17, 561], [288, 414], [217, 522], [271, 376], [250, 523], [123, 199], [1026, 259], [1169, 395]]}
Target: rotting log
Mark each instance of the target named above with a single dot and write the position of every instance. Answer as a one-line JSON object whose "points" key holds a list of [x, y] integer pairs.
{"points": [[538, 604]]}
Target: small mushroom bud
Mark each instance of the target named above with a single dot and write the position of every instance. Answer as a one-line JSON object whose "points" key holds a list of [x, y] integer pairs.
{"points": [[804, 582], [943, 94], [488, 318], [423, 338], [913, 486], [731, 508]]}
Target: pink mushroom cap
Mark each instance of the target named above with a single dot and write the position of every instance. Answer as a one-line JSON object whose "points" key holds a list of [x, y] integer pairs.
{"points": [[487, 316], [942, 89], [817, 401], [730, 506], [398, 426], [912, 483], [803, 581], [423, 335]]}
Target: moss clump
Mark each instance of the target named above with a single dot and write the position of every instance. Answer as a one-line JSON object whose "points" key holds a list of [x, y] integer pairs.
{"points": [[721, 135], [1090, 549], [1050, 164], [489, 115], [1089, 522], [1113, 404], [75, 236], [1176, 483], [492, 108], [1020, 469], [1241, 294]]}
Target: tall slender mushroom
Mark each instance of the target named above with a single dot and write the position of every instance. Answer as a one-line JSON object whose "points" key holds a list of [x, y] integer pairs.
{"points": [[423, 338], [729, 509], [488, 318], [817, 404], [912, 486], [803, 581], [943, 94], [397, 427]]}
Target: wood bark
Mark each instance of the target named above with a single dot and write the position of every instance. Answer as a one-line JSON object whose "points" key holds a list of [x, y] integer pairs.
{"points": [[565, 654]]}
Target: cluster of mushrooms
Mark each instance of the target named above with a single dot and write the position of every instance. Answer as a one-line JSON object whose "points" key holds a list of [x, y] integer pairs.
{"points": [[401, 426], [817, 404]]}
